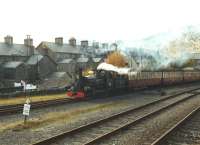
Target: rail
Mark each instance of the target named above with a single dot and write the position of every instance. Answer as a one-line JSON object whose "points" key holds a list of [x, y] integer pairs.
{"points": [[162, 138]]}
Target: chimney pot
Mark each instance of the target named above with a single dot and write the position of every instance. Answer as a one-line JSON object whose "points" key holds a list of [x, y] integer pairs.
{"points": [[72, 41], [28, 41], [84, 43], [8, 40], [59, 40], [95, 45]]}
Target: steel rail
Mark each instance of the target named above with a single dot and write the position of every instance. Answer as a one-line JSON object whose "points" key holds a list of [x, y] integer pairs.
{"points": [[163, 137]]}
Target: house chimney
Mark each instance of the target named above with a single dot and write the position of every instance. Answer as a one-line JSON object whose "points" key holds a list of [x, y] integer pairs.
{"points": [[95, 45], [28, 41], [59, 40], [72, 41], [8, 40], [84, 43], [105, 46]]}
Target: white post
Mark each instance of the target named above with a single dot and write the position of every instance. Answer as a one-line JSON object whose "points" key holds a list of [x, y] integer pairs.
{"points": [[27, 106]]}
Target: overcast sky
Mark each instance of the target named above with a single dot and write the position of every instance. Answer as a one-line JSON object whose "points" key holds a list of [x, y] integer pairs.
{"points": [[102, 20]]}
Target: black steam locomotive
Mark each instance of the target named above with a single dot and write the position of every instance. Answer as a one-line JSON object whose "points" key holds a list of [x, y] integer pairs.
{"points": [[106, 82]]}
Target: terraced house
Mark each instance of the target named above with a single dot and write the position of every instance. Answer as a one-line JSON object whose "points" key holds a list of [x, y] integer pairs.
{"points": [[22, 62], [39, 66], [25, 62], [58, 50], [10, 51], [12, 58]]}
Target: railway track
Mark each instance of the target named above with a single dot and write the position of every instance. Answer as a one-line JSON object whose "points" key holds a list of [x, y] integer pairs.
{"points": [[186, 131], [100, 130], [8, 109]]}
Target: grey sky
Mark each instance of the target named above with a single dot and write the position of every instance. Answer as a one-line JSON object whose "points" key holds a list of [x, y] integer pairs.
{"points": [[104, 20]]}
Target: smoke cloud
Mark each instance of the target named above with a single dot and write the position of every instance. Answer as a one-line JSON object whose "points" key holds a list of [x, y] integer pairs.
{"points": [[165, 50]]}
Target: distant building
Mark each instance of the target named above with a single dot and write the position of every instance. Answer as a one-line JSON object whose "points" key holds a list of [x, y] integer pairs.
{"points": [[93, 50], [56, 80], [84, 63], [58, 50], [67, 65], [24, 62], [38, 66], [14, 70], [86, 49], [10, 51]]}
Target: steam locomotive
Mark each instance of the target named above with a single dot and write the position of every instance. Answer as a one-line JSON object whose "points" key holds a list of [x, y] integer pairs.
{"points": [[103, 82], [109, 82]]}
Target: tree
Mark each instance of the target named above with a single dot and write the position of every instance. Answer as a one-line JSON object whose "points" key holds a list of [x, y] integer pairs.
{"points": [[116, 59]]}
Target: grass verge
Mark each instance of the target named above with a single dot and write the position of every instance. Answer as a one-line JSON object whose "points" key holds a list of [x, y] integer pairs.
{"points": [[21, 100], [56, 117]]}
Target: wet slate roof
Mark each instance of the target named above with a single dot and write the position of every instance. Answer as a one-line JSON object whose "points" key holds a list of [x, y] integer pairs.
{"points": [[34, 59], [66, 61], [57, 74], [64, 48], [14, 49], [12, 64], [1, 64], [83, 59]]}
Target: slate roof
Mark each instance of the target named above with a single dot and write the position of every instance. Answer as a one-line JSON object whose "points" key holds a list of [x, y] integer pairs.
{"points": [[34, 59], [64, 48], [36, 51], [14, 49], [1, 64], [12, 64], [57, 75], [66, 61], [83, 59]]}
